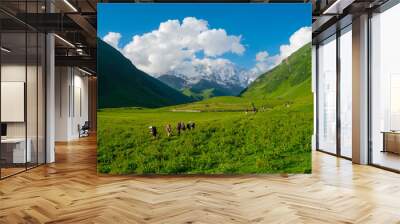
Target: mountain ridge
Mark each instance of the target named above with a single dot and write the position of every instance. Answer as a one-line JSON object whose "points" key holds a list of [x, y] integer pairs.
{"points": [[282, 81], [121, 84]]}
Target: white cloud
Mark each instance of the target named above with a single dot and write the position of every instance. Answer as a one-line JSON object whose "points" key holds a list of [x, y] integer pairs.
{"points": [[112, 39], [173, 46], [296, 41], [216, 42], [265, 62], [261, 56], [175, 43]]}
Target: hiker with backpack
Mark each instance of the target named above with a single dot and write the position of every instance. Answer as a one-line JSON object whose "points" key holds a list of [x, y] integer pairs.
{"points": [[179, 127], [168, 129], [153, 131]]}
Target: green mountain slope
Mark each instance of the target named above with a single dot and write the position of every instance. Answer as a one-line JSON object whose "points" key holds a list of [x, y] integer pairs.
{"points": [[173, 81], [202, 90], [288, 84], [121, 84], [288, 81], [215, 88]]}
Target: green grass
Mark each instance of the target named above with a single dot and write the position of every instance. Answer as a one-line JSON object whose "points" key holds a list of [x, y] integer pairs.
{"points": [[204, 94], [227, 140], [223, 142]]}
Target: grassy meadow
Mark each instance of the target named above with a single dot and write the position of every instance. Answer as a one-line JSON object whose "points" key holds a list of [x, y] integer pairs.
{"points": [[273, 140]]}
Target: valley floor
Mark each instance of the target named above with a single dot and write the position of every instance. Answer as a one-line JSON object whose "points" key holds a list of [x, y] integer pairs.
{"points": [[70, 191], [223, 142]]}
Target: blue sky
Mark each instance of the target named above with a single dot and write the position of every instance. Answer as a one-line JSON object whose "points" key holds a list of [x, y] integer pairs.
{"points": [[262, 27]]}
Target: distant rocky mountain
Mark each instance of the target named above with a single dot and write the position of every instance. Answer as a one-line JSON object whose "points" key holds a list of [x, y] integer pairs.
{"points": [[209, 81], [173, 81]]}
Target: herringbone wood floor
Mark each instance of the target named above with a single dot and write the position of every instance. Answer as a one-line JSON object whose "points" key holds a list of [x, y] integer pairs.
{"points": [[70, 191]]}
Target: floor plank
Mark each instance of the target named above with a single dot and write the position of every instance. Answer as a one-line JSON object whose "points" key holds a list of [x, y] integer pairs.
{"points": [[70, 191]]}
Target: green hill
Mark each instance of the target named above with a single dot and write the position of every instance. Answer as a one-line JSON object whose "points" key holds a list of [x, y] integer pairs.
{"points": [[121, 84], [202, 90], [287, 84], [288, 81], [205, 87]]}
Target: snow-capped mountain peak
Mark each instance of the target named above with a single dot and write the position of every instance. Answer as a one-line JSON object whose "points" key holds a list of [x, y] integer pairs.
{"points": [[220, 71]]}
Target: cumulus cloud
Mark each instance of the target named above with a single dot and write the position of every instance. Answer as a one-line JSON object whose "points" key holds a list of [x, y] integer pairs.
{"points": [[216, 42], [265, 62], [175, 43], [112, 38], [296, 41], [173, 48], [261, 56]]}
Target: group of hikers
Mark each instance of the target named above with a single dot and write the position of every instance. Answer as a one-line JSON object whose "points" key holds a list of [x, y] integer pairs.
{"points": [[254, 109], [168, 128]]}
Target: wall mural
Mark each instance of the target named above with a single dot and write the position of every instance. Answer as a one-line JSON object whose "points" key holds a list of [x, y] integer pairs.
{"points": [[204, 88]]}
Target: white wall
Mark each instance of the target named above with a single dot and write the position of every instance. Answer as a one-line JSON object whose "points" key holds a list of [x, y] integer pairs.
{"points": [[62, 82], [33, 127], [71, 102], [80, 109], [16, 72]]}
